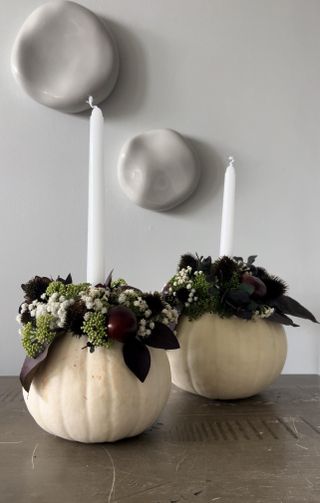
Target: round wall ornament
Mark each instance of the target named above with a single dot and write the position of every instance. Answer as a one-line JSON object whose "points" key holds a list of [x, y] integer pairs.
{"points": [[62, 54]]}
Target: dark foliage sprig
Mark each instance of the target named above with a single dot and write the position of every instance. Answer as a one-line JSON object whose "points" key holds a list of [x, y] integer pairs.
{"points": [[231, 287], [103, 313]]}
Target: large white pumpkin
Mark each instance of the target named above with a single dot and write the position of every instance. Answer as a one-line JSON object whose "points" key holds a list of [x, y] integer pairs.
{"points": [[227, 358], [94, 397]]}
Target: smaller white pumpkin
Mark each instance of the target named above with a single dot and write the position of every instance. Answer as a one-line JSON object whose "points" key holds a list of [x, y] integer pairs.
{"points": [[227, 358], [94, 397]]}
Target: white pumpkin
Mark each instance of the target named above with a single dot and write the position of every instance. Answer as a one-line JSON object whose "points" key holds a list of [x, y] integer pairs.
{"points": [[227, 358], [94, 397]]}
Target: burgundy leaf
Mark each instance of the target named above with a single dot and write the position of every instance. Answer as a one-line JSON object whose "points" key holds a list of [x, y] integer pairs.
{"points": [[290, 306], [251, 259], [281, 318], [30, 367], [66, 281], [162, 337], [108, 280], [165, 289], [137, 358]]}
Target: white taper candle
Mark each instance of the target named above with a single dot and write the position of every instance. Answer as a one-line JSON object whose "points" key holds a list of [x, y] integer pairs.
{"points": [[96, 227], [227, 221]]}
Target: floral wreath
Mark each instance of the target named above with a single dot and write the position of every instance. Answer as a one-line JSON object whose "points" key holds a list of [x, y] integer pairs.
{"points": [[103, 313], [229, 287]]}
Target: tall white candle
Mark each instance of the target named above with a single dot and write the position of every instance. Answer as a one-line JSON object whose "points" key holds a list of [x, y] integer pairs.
{"points": [[227, 221], [96, 228]]}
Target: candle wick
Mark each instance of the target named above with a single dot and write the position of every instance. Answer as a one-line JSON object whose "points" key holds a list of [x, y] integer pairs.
{"points": [[231, 160], [90, 102]]}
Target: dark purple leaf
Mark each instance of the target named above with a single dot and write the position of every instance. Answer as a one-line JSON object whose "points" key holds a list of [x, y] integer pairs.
{"points": [[66, 281], [108, 280], [281, 318], [251, 259], [137, 358], [165, 289], [30, 367], [237, 259], [237, 298], [162, 337], [205, 265], [290, 306]]}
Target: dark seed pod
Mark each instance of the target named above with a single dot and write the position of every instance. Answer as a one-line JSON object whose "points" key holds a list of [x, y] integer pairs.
{"points": [[121, 323]]}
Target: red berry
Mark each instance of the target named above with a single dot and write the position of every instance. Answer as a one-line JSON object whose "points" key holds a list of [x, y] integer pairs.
{"points": [[122, 323], [260, 288]]}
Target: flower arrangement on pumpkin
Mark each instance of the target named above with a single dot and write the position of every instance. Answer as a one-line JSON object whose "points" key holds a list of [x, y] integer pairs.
{"points": [[231, 286], [102, 314]]}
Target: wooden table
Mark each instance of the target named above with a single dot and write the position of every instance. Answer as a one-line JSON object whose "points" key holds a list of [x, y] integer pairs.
{"points": [[264, 449]]}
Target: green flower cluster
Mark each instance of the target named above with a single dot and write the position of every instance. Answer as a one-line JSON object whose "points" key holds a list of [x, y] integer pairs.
{"points": [[96, 330], [35, 338], [69, 291]]}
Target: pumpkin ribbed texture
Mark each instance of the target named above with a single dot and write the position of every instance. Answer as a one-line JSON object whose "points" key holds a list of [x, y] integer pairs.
{"points": [[94, 397], [227, 358]]}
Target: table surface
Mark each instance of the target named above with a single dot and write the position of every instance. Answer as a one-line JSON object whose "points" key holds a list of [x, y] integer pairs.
{"points": [[263, 449]]}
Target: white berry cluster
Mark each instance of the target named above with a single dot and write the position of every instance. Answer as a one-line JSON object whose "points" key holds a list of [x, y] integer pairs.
{"points": [[263, 312], [56, 306], [145, 327], [96, 299], [183, 279], [168, 316], [131, 299]]}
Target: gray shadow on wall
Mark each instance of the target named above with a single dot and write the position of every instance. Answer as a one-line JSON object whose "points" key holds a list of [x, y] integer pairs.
{"points": [[212, 168], [128, 97], [129, 91], [128, 94]]}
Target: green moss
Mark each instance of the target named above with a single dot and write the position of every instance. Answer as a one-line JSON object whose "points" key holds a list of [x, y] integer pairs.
{"points": [[95, 328], [204, 302], [234, 282]]}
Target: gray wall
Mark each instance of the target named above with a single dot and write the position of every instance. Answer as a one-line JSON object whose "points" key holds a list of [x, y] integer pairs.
{"points": [[237, 77]]}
